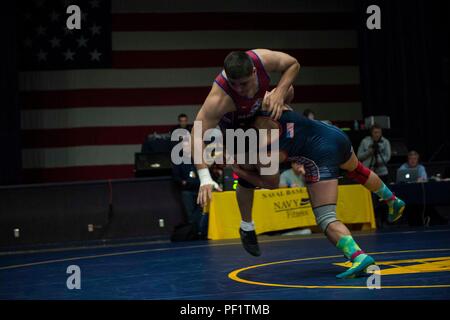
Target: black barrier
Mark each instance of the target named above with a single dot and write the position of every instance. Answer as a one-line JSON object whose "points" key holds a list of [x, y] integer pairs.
{"points": [[100, 210], [10, 160]]}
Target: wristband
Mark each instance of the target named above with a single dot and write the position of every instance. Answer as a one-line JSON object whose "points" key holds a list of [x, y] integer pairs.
{"points": [[205, 177]]}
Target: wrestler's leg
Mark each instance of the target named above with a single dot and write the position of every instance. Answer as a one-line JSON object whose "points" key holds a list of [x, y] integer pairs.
{"points": [[244, 196], [323, 196], [368, 178], [372, 182]]}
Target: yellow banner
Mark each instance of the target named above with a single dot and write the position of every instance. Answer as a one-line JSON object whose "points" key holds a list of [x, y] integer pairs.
{"points": [[282, 209]]}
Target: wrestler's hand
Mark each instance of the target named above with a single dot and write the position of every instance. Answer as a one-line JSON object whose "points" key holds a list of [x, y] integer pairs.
{"points": [[273, 102], [205, 193], [207, 185]]}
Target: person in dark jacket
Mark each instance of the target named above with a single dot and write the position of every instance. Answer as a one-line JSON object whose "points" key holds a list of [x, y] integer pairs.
{"points": [[185, 175]]}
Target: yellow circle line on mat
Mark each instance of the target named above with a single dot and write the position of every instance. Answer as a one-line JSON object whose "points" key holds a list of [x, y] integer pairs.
{"points": [[234, 275]]}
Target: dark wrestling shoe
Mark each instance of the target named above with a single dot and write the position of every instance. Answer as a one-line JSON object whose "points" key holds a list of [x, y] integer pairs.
{"points": [[250, 242]]}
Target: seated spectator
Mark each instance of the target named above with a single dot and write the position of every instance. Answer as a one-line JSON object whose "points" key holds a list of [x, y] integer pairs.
{"points": [[294, 177], [412, 163]]}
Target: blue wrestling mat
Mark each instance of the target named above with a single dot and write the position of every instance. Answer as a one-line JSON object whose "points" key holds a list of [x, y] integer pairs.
{"points": [[414, 264]]}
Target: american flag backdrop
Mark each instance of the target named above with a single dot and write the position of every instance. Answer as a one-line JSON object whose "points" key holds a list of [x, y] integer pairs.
{"points": [[91, 96], [48, 44]]}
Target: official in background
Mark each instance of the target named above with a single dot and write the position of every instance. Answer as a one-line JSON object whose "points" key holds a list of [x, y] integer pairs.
{"points": [[413, 163], [186, 177]]}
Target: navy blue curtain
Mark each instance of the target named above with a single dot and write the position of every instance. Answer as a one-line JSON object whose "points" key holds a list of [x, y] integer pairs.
{"points": [[404, 71], [10, 150]]}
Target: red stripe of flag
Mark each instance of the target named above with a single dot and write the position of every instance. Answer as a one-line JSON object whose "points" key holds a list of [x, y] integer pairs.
{"points": [[214, 58], [71, 137], [82, 173], [167, 96], [232, 21]]}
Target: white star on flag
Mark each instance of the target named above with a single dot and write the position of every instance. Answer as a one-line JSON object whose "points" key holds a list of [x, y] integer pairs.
{"points": [[95, 55], [46, 43], [42, 55], [68, 55], [94, 3], [82, 42], [54, 16], [95, 29], [84, 16]]}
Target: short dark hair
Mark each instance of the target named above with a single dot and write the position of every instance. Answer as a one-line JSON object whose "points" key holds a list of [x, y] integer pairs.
{"points": [[182, 115], [238, 65], [413, 153], [375, 126]]}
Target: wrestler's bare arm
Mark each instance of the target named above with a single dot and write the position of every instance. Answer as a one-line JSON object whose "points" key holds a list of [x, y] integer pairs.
{"points": [[216, 105], [252, 173], [277, 61], [289, 67]]}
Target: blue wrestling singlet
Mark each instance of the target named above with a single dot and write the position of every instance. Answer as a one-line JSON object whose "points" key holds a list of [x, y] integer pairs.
{"points": [[320, 147]]}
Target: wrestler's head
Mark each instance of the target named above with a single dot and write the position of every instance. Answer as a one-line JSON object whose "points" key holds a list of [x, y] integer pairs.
{"points": [[265, 122], [241, 72]]}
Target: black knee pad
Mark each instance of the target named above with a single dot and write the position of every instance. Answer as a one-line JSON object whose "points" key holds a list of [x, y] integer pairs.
{"points": [[244, 183]]}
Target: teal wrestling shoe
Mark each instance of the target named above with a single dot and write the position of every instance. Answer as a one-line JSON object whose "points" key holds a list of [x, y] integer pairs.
{"points": [[358, 268], [396, 209]]}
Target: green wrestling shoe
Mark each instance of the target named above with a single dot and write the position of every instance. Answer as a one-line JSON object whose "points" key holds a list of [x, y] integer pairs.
{"points": [[358, 267], [396, 210]]}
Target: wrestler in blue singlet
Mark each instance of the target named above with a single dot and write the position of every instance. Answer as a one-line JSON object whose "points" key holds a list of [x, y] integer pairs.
{"points": [[320, 147]]}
